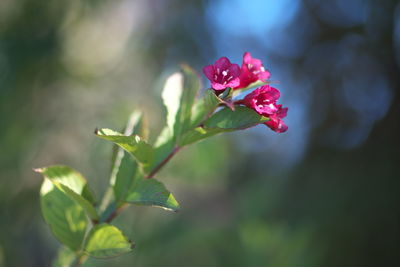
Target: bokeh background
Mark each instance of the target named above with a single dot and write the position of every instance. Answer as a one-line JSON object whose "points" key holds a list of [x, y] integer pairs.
{"points": [[326, 193]]}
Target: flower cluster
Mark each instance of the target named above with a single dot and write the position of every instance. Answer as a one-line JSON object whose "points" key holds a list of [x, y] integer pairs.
{"points": [[223, 74]]}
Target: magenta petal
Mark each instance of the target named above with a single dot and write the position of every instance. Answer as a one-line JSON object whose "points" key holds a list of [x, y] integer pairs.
{"points": [[268, 109], [271, 93], [263, 101], [218, 86], [263, 76], [223, 74], [234, 70], [234, 83], [222, 63], [282, 112], [277, 125], [247, 58], [209, 71]]}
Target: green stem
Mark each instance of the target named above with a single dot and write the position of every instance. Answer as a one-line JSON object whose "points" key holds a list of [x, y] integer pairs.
{"points": [[108, 195], [122, 207], [80, 258], [162, 163], [116, 212]]}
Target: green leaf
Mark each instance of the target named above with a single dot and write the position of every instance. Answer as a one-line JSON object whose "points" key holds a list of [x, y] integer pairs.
{"points": [[163, 146], [240, 118], [250, 86], [66, 176], [85, 204], [65, 257], [71, 183], [134, 144], [204, 107], [179, 95], [105, 241], [124, 176], [66, 218], [225, 120], [151, 192], [132, 187], [124, 167], [88, 194], [191, 87], [201, 133], [171, 95]]}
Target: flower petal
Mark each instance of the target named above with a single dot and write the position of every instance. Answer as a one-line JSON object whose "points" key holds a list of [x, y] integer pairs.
{"points": [[209, 72]]}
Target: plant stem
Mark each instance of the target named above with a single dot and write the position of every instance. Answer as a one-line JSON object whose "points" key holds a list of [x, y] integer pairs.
{"points": [[81, 258], [120, 209], [116, 212], [162, 163]]}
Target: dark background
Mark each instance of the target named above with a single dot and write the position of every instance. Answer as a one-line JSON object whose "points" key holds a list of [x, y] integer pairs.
{"points": [[326, 193]]}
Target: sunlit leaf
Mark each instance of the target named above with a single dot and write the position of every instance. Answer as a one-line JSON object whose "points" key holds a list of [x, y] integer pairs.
{"points": [[66, 218], [124, 176], [71, 183], [225, 120], [66, 176], [191, 87], [240, 118], [171, 96], [86, 205], [179, 94], [65, 257], [151, 192], [105, 241], [204, 107], [201, 133], [124, 167], [250, 86], [134, 144]]}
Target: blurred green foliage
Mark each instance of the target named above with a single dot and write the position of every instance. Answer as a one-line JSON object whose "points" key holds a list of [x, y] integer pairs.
{"points": [[67, 67]]}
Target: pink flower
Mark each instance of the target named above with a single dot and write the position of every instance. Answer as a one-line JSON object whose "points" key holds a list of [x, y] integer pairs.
{"points": [[263, 101], [222, 74], [275, 122], [252, 71]]}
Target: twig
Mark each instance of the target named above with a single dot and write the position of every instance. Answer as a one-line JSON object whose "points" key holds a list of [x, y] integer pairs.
{"points": [[116, 212], [162, 163]]}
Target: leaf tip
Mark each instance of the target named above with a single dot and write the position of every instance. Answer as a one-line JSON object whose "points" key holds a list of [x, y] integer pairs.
{"points": [[38, 170]]}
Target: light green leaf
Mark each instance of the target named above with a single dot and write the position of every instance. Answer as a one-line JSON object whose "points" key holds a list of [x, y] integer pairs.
{"points": [[201, 133], [125, 176], [191, 87], [66, 218], [86, 205], [240, 118], [163, 146], [66, 176], [179, 94], [105, 241], [71, 183], [65, 257], [171, 95], [124, 167], [204, 107], [88, 194], [250, 86], [134, 144], [151, 192], [225, 120]]}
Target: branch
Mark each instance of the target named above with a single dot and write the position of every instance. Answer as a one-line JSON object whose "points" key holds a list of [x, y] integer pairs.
{"points": [[162, 163]]}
